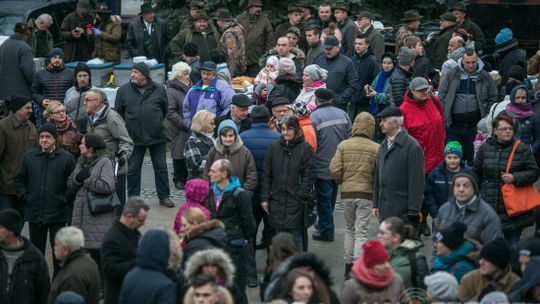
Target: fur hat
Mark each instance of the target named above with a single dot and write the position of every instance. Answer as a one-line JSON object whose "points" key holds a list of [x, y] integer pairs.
{"points": [[11, 220], [216, 257], [374, 253], [143, 68], [17, 102]]}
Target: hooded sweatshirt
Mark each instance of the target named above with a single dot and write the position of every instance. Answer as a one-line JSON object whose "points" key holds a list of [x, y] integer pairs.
{"points": [[74, 100], [196, 192]]}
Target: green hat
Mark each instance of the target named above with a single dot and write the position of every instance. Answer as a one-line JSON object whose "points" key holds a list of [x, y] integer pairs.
{"points": [[341, 5], [447, 17], [411, 15], [460, 6], [223, 14], [293, 8], [146, 8], [200, 14], [197, 4], [454, 147]]}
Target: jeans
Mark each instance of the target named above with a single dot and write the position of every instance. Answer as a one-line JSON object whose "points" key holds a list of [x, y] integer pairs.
{"points": [[121, 192], [357, 217], [465, 136], [38, 237], [326, 201], [296, 234], [237, 255], [159, 163], [512, 236]]}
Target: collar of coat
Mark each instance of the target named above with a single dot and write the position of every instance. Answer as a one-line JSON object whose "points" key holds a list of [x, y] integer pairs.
{"points": [[16, 122], [210, 88]]}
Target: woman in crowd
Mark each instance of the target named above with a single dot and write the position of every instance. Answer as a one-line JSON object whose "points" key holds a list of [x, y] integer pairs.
{"points": [[94, 172], [297, 287], [289, 175], [379, 92], [196, 193], [177, 89], [199, 143], [313, 79], [490, 166], [106, 34], [301, 111], [69, 137], [373, 280]]}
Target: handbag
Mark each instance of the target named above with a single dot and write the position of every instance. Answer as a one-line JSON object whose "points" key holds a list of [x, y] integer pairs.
{"points": [[102, 203], [309, 214], [518, 200]]}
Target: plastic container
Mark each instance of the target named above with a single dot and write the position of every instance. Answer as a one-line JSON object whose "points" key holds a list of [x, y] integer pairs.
{"points": [[138, 59], [40, 63], [122, 73], [99, 72], [111, 95]]}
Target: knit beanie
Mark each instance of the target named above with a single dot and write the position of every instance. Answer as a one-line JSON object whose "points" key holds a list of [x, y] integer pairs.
{"points": [[48, 127], [406, 56], [260, 114], [17, 102], [143, 68], [11, 220], [56, 51], [453, 147], [442, 286], [94, 141], [197, 190], [497, 253], [495, 297], [286, 66], [190, 49], [470, 177], [273, 60], [504, 35], [374, 253], [82, 67], [517, 72], [452, 236], [230, 124], [315, 72]]}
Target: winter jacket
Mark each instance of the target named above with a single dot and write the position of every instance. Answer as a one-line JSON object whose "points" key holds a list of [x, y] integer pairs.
{"points": [[76, 49], [206, 41], [342, 78], [234, 210], [112, 128], [313, 52], [307, 95], [80, 274], [424, 121], [486, 90], [376, 42], [354, 292], [367, 68], [16, 68], [522, 244], [511, 57], [32, 40], [382, 98], [207, 235], [400, 260], [490, 161], [197, 147], [135, 38], [399, 194], [533, 67], [232, 43], [150, 281], [216, 98], [289, 176], [353, 165], [458, 262], [483, 224], [472, 28], [258, 36], [439, 48], [16, 137], [424, 68], [118, 256], [29, 282], [287, 86], [527, 130], [178, 131], [399, 83], [51, 84], [102, 181], [41, 184], [195, 65], [74, 102], [473, 283], [438, 188], [258, 140], [107, 46], [143, 113], [309, 132], [332, 126], [349, 30], [523, 290]]}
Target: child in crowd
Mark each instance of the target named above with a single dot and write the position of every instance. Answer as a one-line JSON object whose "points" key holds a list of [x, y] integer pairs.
{"points": [[269, 73], [196, 191], [483, 132]]}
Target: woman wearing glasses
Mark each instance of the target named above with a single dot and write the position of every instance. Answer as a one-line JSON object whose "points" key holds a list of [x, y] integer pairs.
{"points": [[69, 137]]}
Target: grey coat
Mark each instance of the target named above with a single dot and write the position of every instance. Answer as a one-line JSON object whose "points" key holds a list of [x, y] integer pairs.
{"points": [[16, 68], [399, 177], [178, 131], [101, 180]]}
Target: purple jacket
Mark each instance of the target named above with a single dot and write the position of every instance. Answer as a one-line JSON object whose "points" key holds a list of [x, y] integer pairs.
{"points": [[216, 98]]}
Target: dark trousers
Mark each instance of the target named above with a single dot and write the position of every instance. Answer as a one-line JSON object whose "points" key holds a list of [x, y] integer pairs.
{"points": [[38, 237], [465, 136], [180, 173], [326, 201], [159, 163], [237, 255], [512, 236], [96, 256], [8, 201], [121, 192]]}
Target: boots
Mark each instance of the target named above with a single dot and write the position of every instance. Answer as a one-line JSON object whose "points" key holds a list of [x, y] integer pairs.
{"points": [[348, 268]]}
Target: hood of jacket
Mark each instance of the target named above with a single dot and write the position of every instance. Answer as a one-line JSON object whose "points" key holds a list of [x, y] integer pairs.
{"points": [[363, 126], [237, 144], [204, 227], [69, 297], [235, 183], [530, 278], [153, 253], [460, 254], [215, 257], [176, 84], [456, 54], [478, 68], [410, 244]]}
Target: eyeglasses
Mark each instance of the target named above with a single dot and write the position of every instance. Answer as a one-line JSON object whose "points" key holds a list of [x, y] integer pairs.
{"points": [[507, 129], [90, 99], [58, 112]]}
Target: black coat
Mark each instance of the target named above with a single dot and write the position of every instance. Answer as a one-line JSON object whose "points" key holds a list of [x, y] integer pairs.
{"points": [[342, 78], [490, 161], [367, 68], [51, 84], [208, 235], [286, 86], [135, 38], [424, 68], [30, 281], [16, 68], [118, 257], [399, 82], [289, 175], [41, 183]]}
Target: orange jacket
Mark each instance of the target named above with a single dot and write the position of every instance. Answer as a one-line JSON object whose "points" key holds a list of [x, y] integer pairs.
{"points": [[309, 132]]}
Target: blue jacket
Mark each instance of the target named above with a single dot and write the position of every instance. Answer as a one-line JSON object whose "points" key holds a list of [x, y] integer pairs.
{"points": [[258, 139], [438, 189], [216, 98], [148, 283], [457, 262]]}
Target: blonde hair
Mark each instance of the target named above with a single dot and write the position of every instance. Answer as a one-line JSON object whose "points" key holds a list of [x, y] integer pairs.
{"points": [[201, 119], [194, 216], [178, 69], [54, 104]]}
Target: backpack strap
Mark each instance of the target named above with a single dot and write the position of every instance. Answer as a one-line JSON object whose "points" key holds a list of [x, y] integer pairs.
{"points": [[411, 255]]}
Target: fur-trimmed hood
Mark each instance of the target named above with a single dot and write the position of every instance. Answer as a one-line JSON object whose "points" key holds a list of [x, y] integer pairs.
{"points": [[204, 227], [216, 257]]}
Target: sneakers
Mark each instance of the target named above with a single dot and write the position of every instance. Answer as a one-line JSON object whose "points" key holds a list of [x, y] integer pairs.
{"points": [[166, 202], [323, 238]]}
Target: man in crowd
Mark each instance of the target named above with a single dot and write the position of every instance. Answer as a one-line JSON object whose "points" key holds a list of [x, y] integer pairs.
{"points": [[306, 13], [74, 100], [119, 247], [376, 40], [367, 68], [231, 204], [258, 35], [325, 15], [73, 31], [439, 48], [280, 108], [45, 167], [398, 194], [342, 78], [411, 23], [107, 123], [16, 64], [238, 113], [50, 84], [459, 10], [315, 47], [346, 25], [24, 271], [525, 243], [194, 7], [232, 42], [283, 47], [402, 75], [332, 125], [79, 273], [143, 105], [294, 15], [190, 55], [147, 35], [17, 135], [40, 38], [467, 93], [204, 289], [455, 50]]}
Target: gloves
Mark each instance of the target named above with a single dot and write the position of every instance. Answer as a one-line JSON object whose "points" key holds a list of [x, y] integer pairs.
{"points": [[96, 31], [121, 158], [82, 175]]}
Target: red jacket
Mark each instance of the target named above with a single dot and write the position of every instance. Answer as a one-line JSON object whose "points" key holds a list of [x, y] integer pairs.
{"points": [[425, 122]]}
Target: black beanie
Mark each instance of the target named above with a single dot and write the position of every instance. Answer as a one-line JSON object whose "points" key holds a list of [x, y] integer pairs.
{"points": [[94, 141], [190, 49], [497, 253], [11, 220], [143, 68], [18, 102], [48, 127], [261, 114], [517, 72], [470, 176], [83, 67], [452, 237]]}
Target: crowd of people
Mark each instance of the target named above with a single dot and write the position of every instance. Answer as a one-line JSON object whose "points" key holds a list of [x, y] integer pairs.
{"points": [[423, 132]]}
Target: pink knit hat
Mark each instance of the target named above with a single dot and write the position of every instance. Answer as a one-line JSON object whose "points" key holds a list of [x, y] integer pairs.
{"points": [[196, 190]]}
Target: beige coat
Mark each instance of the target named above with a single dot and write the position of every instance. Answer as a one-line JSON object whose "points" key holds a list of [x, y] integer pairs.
{"points": [[473, 283], [107, 46], [534, 68]]}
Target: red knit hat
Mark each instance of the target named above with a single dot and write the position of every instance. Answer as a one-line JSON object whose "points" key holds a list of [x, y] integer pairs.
{"points": [[374, 253]]}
